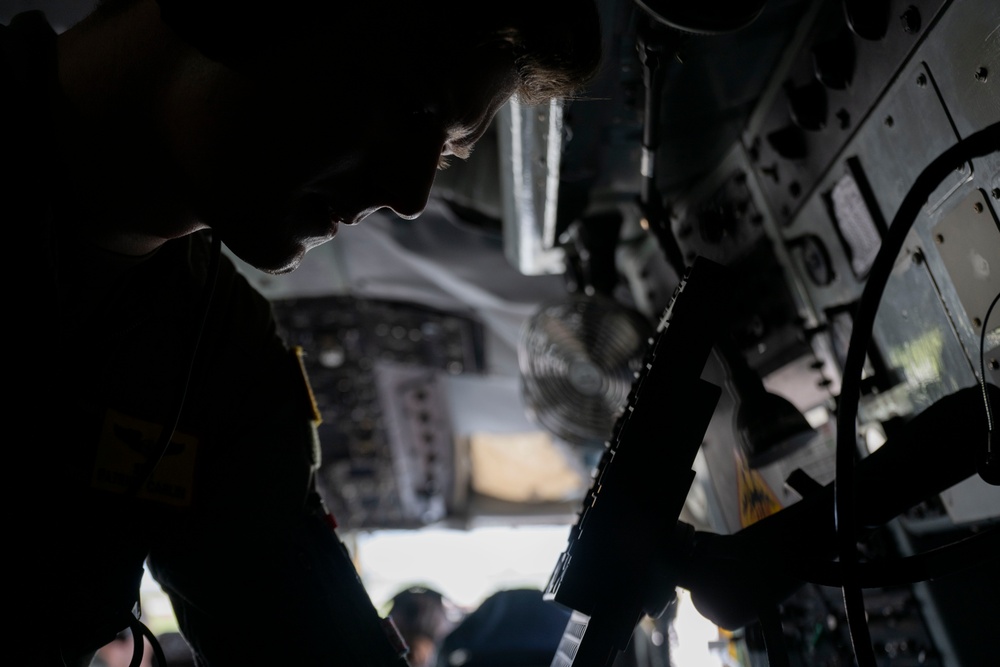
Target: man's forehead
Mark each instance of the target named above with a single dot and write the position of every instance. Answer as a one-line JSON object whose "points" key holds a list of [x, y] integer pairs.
{"points": [[555, 43], [227, 29]]}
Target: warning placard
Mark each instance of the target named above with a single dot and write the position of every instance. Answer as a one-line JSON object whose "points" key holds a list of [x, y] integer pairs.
{"points": [[757, 499]]}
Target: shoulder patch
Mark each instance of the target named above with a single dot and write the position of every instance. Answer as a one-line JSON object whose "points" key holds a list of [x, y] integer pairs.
{"points": [[127, 443], [313, 409]]}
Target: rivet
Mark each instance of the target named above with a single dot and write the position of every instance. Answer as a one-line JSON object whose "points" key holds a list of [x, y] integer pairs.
{"points": [[911, 19]]}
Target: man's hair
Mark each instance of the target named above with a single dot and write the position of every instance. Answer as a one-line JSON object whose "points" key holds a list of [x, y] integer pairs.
{"points": [[420, 612], [556, 44]]}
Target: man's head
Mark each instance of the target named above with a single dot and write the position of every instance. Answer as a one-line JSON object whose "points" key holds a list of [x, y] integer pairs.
{"points": [[423, 617], [280, 127], [556, 43]]}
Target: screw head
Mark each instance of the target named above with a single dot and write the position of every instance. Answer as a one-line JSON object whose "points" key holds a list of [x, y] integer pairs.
{"points": [[978, 207], [981, 74], [911, 20], [845, 118]]}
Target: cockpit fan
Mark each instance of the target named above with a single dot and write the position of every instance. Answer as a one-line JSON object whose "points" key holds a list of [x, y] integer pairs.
{"points": [[578, 360]]}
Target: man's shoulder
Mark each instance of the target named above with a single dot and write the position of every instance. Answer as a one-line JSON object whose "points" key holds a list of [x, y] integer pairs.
{"points": [[27, 75], [237, 305], [27, 43]]}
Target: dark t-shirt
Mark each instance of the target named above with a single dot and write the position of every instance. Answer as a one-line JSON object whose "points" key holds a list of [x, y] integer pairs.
{"points": [[101, 352]]}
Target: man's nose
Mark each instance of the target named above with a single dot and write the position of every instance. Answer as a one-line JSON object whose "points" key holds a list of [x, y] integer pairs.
{"points": [[409, 182]]}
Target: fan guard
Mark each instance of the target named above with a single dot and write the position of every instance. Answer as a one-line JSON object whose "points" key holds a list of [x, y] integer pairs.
{"points": [[578, 360]]}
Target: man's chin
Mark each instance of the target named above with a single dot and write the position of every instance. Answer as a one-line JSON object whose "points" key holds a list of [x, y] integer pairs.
{"points": [[281, 270], [279, 248], [268, 259]]}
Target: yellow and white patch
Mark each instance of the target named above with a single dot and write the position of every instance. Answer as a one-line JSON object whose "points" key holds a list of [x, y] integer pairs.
{"points": [[126, 445]]}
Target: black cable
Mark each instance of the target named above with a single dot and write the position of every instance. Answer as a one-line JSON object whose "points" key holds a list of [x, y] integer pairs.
{"points": [[215, 261], [976, 549], [167, 434], [975, 145], [991, 461], [138, 645], [139, 630], [653, 44], [982, 364], [857, 619], [769, 619]]}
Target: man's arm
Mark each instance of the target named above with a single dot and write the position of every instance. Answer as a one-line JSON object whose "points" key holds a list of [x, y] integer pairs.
{"points": [[255, 570]]}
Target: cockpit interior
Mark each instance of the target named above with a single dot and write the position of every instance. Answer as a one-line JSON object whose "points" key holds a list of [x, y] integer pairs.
{"points": [[727, 317]]}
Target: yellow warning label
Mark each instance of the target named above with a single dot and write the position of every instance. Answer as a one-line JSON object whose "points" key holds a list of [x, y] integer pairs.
{"points": [[757, 500]]}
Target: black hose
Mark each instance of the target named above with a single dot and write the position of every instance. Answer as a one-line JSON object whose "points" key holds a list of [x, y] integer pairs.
{"points": [[975, 145], [769, 618]]}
